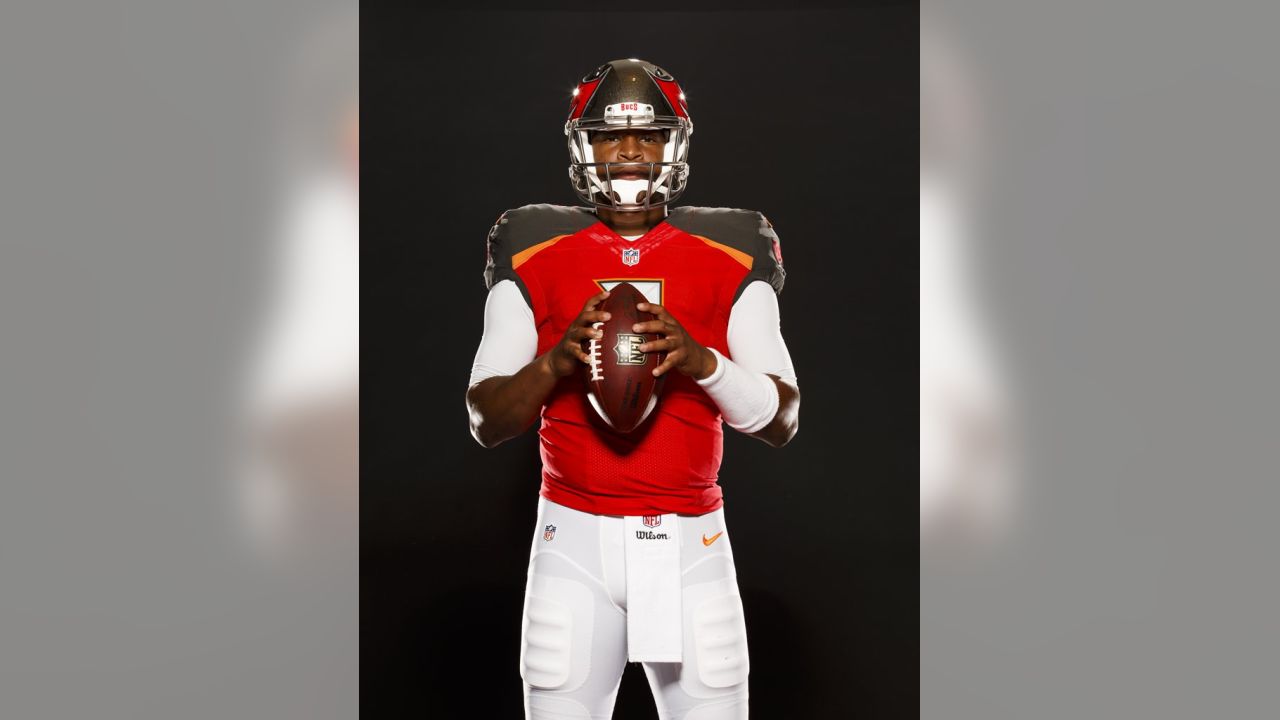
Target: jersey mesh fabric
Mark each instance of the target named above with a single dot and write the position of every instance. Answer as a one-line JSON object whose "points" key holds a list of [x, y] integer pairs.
{"points": [[671, 462]]}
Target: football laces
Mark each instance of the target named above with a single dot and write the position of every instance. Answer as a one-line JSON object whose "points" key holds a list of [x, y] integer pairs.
{"points": [[593, 352]]}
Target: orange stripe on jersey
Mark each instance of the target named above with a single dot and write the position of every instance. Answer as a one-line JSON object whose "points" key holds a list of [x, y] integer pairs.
{"points": [[523, 256], [744, 259]]}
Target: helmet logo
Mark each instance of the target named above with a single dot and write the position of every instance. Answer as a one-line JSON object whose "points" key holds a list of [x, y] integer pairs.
{"points": [[628, 112]]}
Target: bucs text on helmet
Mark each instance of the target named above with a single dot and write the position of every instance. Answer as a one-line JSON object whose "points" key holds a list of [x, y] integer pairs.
{"points": [[628, 95]]}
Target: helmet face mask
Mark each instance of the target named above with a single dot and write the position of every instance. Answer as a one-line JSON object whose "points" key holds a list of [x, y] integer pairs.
{"points": [[599, 183], [628, 95]]}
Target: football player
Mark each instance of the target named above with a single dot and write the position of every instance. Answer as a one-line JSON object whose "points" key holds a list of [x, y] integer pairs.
{"points": [[631, 557]]}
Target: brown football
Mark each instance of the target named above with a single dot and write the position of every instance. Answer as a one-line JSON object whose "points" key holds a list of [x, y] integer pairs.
{"points": [[620, 382]]}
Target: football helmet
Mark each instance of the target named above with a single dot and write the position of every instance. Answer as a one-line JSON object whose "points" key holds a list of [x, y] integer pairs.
{"points": [[628, 95]]}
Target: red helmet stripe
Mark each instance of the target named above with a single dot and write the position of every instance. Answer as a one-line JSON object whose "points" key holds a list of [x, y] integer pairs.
{"points": [[671, 89], [579, 101]]}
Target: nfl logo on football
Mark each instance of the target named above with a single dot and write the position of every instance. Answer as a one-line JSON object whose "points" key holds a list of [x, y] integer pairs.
{"points": [[549, 533], [652, 520], [630, 256]]}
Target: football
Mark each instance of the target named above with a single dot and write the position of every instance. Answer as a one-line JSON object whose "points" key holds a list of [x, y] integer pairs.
{"points": [[620, 382]]}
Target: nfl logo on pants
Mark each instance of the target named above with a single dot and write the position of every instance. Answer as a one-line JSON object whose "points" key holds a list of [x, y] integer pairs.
{"points": [[652, 520]]}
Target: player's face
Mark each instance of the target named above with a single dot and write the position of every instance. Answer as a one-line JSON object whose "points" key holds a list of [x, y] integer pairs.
{"points": [[627, 146]]}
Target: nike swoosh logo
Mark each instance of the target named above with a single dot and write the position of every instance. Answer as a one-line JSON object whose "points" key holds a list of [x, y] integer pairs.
{"points": [[708, 540]]}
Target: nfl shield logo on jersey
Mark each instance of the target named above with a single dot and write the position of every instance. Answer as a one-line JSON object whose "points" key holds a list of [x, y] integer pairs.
{"points": [[630, 256], [652, 520], [549, 533]]}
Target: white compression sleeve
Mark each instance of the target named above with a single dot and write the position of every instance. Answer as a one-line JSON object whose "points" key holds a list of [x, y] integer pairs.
{"points": [[510, 338], [747, 398], [755, 333]]}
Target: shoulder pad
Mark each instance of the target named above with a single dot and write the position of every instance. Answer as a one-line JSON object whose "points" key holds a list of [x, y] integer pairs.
{"points": [[522, 228], [747, 231]]}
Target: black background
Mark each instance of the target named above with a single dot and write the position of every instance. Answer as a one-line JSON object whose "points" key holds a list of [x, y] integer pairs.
{"points": [[810, 116]]}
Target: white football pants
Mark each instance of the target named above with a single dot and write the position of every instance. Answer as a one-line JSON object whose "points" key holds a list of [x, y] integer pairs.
{"points": [[574, 644]]}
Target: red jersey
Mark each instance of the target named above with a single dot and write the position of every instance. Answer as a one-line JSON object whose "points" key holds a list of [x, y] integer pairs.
{"points": [[695, 263]]}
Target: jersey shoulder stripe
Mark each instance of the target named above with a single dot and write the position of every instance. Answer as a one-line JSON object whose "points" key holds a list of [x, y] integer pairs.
{"points": [[521, 233], [742, 258], [745, 235], [523, 256]]}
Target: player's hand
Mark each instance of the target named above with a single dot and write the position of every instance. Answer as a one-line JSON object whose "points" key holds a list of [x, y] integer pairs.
{"points": [[567, 355], [684, 354]]}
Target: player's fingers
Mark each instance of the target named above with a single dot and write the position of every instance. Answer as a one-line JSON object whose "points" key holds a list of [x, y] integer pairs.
{"points": [[665, 329], [578, 333], [660, 345], [595, 300], [589, 317], [573, 344], [650, 326], [671, 360], [658, 311]]}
